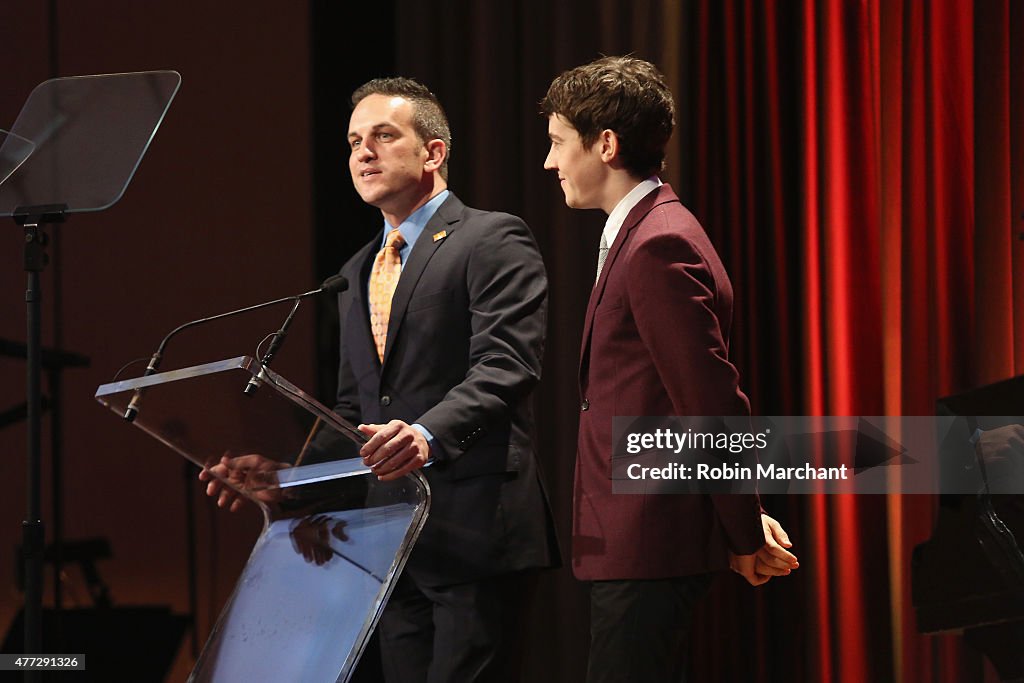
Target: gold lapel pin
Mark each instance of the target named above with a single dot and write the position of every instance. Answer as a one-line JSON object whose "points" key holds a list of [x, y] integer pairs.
{"points": [[440, 235]]}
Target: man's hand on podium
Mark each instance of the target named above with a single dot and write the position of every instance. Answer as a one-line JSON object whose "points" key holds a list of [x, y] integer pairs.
{"points": [[252, 473], [394, 449]]}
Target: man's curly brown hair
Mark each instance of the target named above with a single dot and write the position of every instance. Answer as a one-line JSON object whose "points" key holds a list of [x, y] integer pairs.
{"points": [[624, 94]]}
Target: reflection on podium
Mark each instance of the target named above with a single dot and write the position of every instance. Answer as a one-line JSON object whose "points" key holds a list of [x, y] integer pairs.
{"points": [[334, 538]]}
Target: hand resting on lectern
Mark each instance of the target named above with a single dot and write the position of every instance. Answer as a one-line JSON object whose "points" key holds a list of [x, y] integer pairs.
{"points": [[253, 474]]}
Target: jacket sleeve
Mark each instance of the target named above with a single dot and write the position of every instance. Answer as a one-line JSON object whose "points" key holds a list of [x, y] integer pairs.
{"points": [[674, 298], [507, 292]]}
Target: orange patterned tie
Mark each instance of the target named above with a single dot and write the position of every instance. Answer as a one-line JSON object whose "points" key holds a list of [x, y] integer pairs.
{"points": [[387, 268]]}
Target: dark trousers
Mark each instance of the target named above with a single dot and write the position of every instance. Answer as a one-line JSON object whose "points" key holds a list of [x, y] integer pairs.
{"points": [[466, 633], [640, 629]]}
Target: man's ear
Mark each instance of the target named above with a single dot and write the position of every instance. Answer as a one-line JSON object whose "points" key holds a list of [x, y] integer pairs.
{"points": [[608, 145], [437, 152]]}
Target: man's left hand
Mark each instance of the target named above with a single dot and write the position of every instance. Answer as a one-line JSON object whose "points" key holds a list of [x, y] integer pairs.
{"points": [[772, 559], [394, 450]]}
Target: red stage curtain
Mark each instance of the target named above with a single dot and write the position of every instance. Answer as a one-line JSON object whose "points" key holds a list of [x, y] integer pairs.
{"points": [[861, 163]]}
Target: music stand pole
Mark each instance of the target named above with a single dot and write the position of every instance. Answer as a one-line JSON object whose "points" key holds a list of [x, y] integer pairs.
{"points": [[33, 529]]}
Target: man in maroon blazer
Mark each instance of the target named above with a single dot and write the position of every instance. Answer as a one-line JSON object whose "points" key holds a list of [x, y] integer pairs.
{"points": [[655, 342]]}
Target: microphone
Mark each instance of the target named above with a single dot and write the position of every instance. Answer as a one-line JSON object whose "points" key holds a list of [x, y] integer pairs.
{"points": [[333, 284]]}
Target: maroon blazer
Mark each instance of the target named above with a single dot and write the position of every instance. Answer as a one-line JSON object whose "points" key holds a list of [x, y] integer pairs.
{"points": [[656, 342]]}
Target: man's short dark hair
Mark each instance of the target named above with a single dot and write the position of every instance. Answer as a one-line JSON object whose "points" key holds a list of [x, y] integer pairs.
{"points": [[428, 117], [623, 94]]}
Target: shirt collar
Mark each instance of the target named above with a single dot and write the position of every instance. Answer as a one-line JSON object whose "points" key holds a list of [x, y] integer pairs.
{"points": [[412, 226], [625, 205]]}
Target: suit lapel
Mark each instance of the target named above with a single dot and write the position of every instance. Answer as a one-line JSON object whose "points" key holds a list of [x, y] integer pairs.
{"points": [[661, 195], [444, 219]]}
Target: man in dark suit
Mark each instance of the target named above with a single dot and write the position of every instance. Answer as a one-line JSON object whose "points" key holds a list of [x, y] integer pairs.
{"points": [[442, 333], [655, 342], [438, 362]]}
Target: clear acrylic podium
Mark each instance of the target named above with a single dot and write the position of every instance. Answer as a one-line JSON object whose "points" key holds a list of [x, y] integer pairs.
{"points": [[334, 537]]}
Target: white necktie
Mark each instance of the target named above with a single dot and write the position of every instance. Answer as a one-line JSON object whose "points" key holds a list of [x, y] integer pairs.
{"points": [[602, 254]]}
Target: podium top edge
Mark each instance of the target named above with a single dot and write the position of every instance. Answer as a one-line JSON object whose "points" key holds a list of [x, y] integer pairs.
{"points": [[239, 362]]}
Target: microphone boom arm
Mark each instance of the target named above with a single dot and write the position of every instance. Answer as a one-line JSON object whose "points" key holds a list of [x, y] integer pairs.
{"points": [[335, 283]]}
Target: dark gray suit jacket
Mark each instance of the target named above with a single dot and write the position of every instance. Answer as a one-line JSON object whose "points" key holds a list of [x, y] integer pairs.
{"points": [[463, 354]]}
